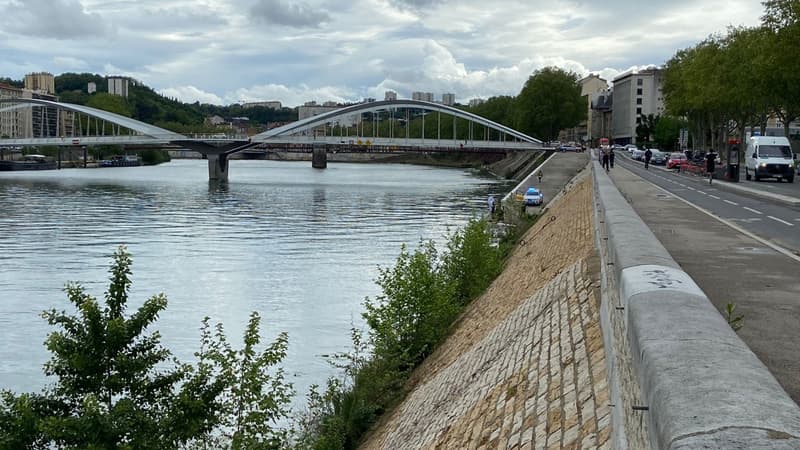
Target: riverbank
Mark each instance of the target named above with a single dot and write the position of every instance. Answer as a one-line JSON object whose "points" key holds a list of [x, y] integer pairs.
{"points": [[525, 364]]}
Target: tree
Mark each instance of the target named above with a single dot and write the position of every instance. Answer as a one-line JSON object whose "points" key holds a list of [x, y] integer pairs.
{"points": [[118, 387], [667, 132], [647, 128], [549, 102], [111, 103]]}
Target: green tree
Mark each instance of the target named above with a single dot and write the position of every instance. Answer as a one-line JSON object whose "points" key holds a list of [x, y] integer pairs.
{"points": [[111, 103], [118, 387], [550, 101], [667, 133]]}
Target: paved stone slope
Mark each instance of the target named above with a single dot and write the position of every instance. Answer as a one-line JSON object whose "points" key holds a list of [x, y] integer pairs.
{"points": [[525, 366]]}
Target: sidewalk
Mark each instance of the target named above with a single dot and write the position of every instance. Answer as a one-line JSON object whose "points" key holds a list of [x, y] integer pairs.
{"points": [[556, 172], [730, 268]]}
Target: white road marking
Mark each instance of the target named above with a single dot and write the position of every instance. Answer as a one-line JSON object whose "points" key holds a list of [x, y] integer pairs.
{"points": [[781, 221], [731, 203], [681, 184], [690, 188], [713, 196], [753, 210], [701, 192]]}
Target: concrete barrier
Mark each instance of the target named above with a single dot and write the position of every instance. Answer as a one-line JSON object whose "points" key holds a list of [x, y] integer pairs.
{"points": [[703, 386]]}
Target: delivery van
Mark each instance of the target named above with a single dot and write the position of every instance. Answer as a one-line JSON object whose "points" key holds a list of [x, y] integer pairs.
{"points": [[769, 157]]}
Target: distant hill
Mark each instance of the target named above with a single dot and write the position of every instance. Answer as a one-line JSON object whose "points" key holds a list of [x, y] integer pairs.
{"points": [[146, 105]]}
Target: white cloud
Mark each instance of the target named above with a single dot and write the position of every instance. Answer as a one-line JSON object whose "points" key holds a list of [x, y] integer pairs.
{"points": [[191, 94], [300, 50]]}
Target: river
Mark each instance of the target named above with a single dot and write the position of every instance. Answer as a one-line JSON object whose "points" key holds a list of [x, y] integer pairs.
{"points": [[300, 246]]}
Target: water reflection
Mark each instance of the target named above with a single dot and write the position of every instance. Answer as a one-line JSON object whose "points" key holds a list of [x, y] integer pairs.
{"points": [[301, 246]]}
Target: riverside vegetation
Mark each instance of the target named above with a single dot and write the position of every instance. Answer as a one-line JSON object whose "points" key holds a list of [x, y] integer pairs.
{"points": [[118, 387]]}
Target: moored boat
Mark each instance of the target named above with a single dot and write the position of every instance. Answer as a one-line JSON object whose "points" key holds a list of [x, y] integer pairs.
{"points": [[29, 162]]}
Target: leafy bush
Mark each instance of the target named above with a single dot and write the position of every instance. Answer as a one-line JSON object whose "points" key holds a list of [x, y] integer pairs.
{"points": [[421, 297], [118, 387]]}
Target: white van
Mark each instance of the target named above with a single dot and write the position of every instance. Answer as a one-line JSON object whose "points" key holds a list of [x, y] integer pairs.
{"points": [[769, 157]]}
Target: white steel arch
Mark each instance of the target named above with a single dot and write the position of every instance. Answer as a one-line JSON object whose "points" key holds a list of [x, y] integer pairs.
{"points": [[141, 128], [312, 122]]}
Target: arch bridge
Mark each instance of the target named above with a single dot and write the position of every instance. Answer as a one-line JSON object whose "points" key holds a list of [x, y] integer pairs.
{"points": [[397, 125]]}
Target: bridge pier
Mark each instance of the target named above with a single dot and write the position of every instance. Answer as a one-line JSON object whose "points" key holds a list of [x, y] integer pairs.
{"points": [[319, 157], [217, 166]]}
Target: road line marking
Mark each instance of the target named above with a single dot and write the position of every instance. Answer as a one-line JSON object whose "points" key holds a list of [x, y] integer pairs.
{"points": [[713, 196], [781, 221], [736, 227], [701, 192], [681, 184], [753, 210], [691, 188], [731, 203]]}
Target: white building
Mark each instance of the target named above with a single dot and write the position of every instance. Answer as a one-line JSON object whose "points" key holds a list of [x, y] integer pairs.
{"points": [[449, 99], [422, 96], [636, 94], [91, 87], [311, 109], [269, 104], [476, 101], [118, 85], [390, 96]]}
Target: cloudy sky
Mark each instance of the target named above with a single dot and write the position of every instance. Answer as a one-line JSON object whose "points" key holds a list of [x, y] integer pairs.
{"points": [[226, 51]]}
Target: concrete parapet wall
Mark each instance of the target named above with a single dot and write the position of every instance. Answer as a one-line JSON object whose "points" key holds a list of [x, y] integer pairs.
{"points": [[703, 387]]}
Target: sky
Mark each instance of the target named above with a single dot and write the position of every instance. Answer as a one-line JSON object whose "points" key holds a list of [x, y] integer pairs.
{"points": [[228, 51]]}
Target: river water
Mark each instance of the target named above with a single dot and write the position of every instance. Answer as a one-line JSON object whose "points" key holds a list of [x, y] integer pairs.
{"points": [[300, 246]]}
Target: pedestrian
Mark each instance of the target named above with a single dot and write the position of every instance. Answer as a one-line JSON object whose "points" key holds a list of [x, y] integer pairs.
{"points": [[605, 158], [611, 157], [490, 200], [711, 162], [539, 176], [647, 155]]}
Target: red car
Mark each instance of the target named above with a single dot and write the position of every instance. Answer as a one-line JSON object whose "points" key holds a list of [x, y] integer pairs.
{"points": [[675, 160]]}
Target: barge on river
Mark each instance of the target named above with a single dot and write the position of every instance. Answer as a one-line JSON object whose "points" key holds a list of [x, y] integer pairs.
{"points": [[29, 162]]}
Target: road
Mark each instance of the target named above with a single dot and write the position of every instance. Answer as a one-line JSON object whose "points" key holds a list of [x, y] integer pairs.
{"points": [[730, 267], [769, 219]]}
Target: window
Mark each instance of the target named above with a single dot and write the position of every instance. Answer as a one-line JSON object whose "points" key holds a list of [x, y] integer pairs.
{"points": [[638, 121], [639, 91], [639, 81], [639, 111], [638, 101]]}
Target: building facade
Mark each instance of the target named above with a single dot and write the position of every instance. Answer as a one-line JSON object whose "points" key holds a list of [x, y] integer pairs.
{"points": [[118, 86], [15, 123], [91, 88], [422, 96], [591, 87], [269, 104], [600, 116], [390, 96], [449, 99], [41, 82], [636, 94]]}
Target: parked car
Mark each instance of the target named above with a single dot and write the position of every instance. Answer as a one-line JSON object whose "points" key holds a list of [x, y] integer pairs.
{"points": [[638, 155], [532, 197], [659, 158], [675, 160], [630, 148]]}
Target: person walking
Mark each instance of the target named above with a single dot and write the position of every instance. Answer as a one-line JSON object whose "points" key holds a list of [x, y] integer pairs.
{"points": [[605, 158], [490, 200], [647, 155], [611, 157], [539, 176], [711, 163]]}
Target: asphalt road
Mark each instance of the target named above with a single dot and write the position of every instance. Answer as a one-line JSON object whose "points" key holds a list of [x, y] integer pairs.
{"points": [[769, 219], [730, 267]]}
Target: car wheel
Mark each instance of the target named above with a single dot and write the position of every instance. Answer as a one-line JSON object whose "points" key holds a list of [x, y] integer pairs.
{"points": [[790, 179]]}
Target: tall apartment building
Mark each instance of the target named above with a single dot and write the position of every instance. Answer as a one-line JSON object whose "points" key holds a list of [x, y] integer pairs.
{"points": [[475, 102], [91, 87], [636, 94], [600, 116], [449, 99], [311, 109], [422, 96], [118, 85], [390, 96], [42, 82], [14, 122]]}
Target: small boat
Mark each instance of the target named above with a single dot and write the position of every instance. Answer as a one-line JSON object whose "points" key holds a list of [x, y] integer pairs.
{"points": [[29, 162]]}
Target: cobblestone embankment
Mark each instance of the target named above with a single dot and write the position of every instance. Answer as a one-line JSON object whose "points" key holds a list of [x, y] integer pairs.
{"points": [[525, 366]]}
